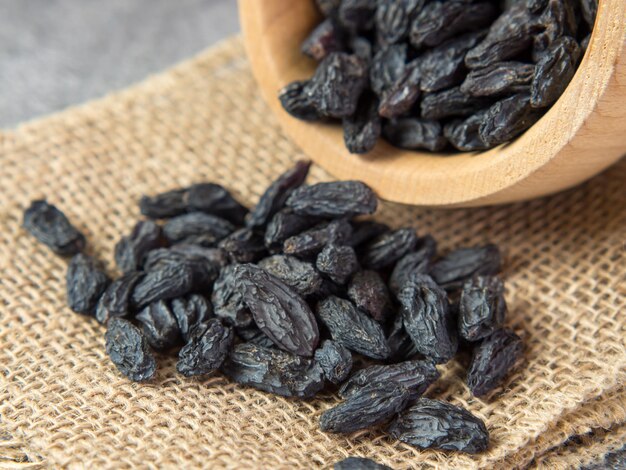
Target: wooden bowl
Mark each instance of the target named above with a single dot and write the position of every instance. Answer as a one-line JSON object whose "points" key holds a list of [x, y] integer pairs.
{"points": [[581, 135]]}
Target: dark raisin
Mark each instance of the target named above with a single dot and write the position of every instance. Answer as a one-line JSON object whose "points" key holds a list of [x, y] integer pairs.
{"points": [[365, 230], [464, 134], [401, 345], [338, 262], [441, 20], [191, 313], [361, 47], [451, 103], [501, 78], [388, 66], [164, 205], [52, 228], [554, 72], [115, 301], [337, 84], [414, 134], [273, 371], [278, 310], [197, 228], [335, 360], [462, 264], [297, 274], [128, 350], [507, 119], [366, 408], [393, 19], [492, 360], [589, 10], [415, 376], [481, 307], [352, 328], [334, 199], [558, 19], [323, 40], [283, 225], [387, 248], [444, 66], [131, 250], [433, 424], [167, 282], [369, 293], [426, 317], [253, 335], [359, 463], [357, 15], [244, 246], [297, 102], [227, 299], [85, 283], [214, 199], [311, 242], [418, 261], [206, 350], [159, 326], [362, 129], [274, 197], [399, 97]]}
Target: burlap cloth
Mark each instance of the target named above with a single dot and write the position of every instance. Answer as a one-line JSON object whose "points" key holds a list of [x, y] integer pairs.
{"points": [[62, 404]]}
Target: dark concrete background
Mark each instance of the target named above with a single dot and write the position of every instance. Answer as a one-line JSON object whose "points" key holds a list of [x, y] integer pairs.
{"points": [[56, 53]]}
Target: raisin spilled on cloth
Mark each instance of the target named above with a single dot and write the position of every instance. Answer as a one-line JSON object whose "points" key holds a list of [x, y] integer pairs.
{"points": [[291, 295], [439, 75]]}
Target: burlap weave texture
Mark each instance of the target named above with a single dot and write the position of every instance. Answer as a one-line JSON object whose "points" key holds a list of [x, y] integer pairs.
{"points": [[67, 406]]}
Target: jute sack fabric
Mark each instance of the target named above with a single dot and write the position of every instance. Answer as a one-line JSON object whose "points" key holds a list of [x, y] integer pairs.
{"points": [[62, 403]]}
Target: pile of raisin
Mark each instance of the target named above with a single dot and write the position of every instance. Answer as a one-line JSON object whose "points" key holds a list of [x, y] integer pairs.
{"points": [[299, 294], [439, 74]]}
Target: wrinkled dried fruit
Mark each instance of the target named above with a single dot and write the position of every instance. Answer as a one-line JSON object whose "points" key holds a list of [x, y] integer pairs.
{"points": [[444, 66], [441, 20], [278, 310], [273, 371], [85, 283], [131, 250], [501, 78], [393, 18], [362, 129], [128, 350], [214, 199], [337, 84], [369, 293], [554, 72], [387, 248], [589, 9], [359, 463], [52, 228], [335, 360], [167, 282], [464, 134], [323, 40], [227, 299], [338, 262], [418, 262], [164, 205], [366, 408], [206, 350], [415, 376], [244, 246], [492, 360], [334, 199], [399, 97], [352, 328], [558, 19], [297, 102], [191, 313], [159, 326], [451, 103], [388, 66], [427, 319], [197, 228], [252, 335], [507, 119], [311, 242], [451, 271], [274, 197], [402, 346], [365, 230], [299, 275], [284, 225], [481, 308], [357, 15], [115, 301], [414, 134], [433, 424]]}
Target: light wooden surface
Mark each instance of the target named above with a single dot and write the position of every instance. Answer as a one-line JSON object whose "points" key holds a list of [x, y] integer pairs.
{"points": [[581, 135]]}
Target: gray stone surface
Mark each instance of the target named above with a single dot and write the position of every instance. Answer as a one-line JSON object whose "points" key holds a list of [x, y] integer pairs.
{"points": [[56, 53]]}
